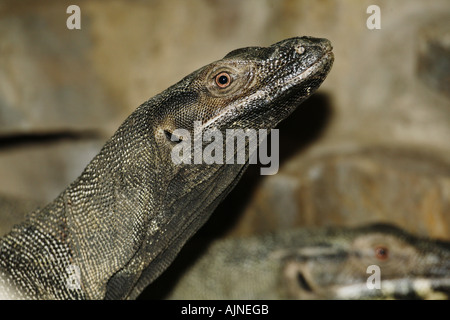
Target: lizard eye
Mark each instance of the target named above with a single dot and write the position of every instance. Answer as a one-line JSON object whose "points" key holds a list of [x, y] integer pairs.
{"points": [[381, 253], [223, 80]]}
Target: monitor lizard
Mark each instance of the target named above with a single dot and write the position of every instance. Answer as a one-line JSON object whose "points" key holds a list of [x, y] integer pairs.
{"points": [[375, 261], [119, 225]]}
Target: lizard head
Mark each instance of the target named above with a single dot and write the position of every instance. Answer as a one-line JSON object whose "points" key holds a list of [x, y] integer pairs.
{"points": [[253, 87], [379, 261]]}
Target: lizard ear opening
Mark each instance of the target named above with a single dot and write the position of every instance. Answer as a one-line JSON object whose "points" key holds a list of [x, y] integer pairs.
{"points": [[172, 137]]}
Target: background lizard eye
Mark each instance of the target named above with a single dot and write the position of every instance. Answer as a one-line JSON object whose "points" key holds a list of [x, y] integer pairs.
{"points": [[223, 80], [381, 253]]}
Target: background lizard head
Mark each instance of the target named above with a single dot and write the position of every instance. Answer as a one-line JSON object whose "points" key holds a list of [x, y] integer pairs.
{"points": [[408, 267]]}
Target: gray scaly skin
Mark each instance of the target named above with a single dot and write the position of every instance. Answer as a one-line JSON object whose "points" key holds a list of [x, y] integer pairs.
{"points": [[319, 264], [122, 222]]}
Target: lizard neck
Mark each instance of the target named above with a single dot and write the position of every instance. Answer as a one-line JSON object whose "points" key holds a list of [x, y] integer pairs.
{"points": [[35, 263], [108, 208], [93, 228]]}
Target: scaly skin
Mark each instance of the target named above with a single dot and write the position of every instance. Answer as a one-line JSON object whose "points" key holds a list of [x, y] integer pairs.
{"points": [[122, 222], [321, 263]]}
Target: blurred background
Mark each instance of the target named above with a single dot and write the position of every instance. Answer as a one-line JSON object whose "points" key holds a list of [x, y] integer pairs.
{"points": [[372, 145]]}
